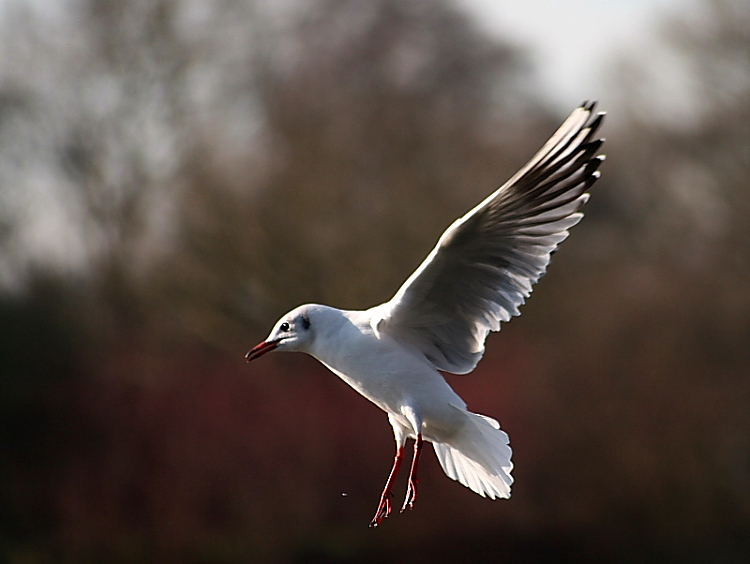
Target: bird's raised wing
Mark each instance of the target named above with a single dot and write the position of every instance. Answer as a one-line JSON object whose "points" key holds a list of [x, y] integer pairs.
{"points": [[485, 263]]}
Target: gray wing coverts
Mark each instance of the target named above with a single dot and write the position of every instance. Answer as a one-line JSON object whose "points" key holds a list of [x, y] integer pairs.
{"points": [[485, 264]]}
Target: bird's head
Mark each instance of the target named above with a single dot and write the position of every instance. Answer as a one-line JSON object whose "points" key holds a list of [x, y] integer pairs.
{"points": [[293, 332]]}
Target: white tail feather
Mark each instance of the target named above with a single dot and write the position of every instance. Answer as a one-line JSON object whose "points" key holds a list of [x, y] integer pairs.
{"points": [[479, 457]]}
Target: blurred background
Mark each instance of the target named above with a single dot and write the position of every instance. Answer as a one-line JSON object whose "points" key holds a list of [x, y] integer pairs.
{"points": [[175, 175]]}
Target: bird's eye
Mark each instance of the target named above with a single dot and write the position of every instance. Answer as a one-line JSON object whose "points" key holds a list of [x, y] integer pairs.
{"points": [[284, 326]]}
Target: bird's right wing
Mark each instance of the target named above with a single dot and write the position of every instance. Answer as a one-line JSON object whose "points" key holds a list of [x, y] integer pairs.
{"points": [[485, 263]]}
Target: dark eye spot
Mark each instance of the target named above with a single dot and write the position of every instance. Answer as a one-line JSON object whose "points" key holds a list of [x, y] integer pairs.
{"points": [[305, 322], [284, 326]]}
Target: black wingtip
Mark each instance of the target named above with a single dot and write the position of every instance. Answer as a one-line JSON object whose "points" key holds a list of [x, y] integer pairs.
{"points": [[596, 122], [592, 147], [589, 105], [593, 165]]}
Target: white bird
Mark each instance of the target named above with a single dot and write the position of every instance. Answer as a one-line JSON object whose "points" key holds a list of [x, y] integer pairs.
{"points": [[478, 274]]}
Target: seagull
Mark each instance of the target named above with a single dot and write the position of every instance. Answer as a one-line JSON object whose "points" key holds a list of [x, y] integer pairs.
{"points": [[479, 273]]}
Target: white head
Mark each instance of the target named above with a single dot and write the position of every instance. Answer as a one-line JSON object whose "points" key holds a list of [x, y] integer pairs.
{"points": [[295, 331]]}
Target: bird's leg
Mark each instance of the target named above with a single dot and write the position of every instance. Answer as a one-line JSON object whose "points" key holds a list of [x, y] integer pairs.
{"points": [[384, 508], [411, 492]]}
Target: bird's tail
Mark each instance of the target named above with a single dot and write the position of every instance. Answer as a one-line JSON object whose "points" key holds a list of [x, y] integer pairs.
{"points": [[478, 457]]}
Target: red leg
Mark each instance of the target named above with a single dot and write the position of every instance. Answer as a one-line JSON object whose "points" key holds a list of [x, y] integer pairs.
{"points": [[411, 492], [384, 508]]}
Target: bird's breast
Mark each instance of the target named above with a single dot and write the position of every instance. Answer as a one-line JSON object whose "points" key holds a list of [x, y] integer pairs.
{"points": [[390, 376], [378, 368]]}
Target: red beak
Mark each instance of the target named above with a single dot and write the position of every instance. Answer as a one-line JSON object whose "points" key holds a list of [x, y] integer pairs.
{"points": [[261, 348]]}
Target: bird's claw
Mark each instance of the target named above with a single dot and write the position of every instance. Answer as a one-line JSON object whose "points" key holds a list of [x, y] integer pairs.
{"points": [[384, 509], [411, 495]]}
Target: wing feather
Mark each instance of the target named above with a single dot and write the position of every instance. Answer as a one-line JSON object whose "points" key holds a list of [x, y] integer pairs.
{"points": [[485, 264]]}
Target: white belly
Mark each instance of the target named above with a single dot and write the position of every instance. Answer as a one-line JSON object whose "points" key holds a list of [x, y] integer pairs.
{"points": [[394, 381]]}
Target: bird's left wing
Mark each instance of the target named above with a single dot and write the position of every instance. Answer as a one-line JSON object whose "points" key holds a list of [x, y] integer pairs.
{"points": [[486, 262]]}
